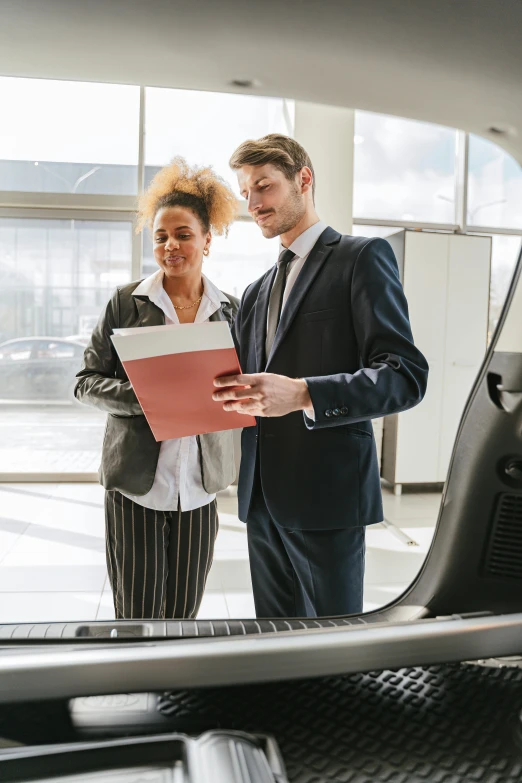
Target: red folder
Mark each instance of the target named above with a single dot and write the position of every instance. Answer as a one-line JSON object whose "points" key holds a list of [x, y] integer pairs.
{"points": [[172, 369]]}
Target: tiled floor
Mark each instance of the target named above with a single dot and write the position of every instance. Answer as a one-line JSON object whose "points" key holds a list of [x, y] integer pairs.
{"points": [[27, 447], [52, 554]]}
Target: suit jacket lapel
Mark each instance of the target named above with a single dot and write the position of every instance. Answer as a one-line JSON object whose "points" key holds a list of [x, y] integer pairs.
{"points": [[312, 266], [148, 313], [261, 315]]}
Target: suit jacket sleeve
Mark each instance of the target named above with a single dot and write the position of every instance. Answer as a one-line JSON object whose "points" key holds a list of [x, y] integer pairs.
{"points": [[393, 373], [97, 382]]}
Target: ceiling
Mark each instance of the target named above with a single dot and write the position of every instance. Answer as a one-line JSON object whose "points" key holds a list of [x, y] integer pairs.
{"points": [[453, 62]]}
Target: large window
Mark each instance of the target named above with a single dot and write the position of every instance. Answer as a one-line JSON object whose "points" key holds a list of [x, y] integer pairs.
{"points": [[407, 173], [494, 186], [55, 278], [71, 162], [206, 127], [68, 137], [403, 170]]}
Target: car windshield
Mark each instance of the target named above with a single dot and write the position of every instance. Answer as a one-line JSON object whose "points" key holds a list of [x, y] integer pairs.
{"points": [[448, 266]]}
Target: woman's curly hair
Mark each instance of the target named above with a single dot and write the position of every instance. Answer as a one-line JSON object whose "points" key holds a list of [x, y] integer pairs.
{"points": [[197, 189]]}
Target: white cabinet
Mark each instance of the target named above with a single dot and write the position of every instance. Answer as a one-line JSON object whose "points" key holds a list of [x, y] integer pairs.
{"points": [[446, 281]]}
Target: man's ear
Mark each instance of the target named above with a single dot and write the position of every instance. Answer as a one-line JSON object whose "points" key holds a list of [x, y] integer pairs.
{"points": [[307, 179]]}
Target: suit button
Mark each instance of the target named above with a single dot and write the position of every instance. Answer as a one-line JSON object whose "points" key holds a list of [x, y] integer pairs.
{"points": [[336, 412], [344, 411], [328, 413]]}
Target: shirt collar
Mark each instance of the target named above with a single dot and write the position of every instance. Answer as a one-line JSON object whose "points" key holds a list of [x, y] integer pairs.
{"points": [[152, 287], [214, 294], [305, 241]]}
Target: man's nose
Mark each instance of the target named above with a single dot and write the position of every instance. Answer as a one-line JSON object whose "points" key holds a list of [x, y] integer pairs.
{"points": [[254, 202]]}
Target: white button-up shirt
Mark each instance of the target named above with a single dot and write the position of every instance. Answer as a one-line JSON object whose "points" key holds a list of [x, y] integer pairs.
{"points": [[302, 247], [178, 474]]}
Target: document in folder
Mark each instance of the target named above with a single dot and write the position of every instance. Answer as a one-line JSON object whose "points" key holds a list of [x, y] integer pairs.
{"points": [[172, 369]]}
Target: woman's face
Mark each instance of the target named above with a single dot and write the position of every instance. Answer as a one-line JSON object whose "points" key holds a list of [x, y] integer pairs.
{"points": [[179, 241]]}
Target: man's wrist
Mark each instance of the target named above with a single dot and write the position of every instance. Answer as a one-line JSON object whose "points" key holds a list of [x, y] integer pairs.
{"points": [[305, 403]]}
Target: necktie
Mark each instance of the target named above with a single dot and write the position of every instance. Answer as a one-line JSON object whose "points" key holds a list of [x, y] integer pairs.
{"points": [[276, 298]]}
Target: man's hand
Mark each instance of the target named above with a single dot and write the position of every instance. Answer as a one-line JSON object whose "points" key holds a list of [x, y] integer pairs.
{"points": [[263, 394]]}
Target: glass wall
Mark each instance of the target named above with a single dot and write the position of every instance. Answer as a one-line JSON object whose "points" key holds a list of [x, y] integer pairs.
{"points": [[206, 127], [494, 187], [406, 172], [69, 137], [56, 276], [70, 154], [403, 170]]}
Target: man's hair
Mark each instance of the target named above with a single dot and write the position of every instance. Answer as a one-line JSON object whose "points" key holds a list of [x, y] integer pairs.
{"points": [[281, 151]]}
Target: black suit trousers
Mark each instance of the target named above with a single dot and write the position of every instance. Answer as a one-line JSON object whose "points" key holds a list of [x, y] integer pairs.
{"points": [[303, 573]]}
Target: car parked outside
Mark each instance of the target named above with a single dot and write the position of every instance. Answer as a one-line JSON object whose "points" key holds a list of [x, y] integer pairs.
{"points": [[39, 369]]}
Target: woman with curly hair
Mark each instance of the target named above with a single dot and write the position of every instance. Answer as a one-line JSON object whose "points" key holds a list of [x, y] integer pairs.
{"points": [[160, 501]]}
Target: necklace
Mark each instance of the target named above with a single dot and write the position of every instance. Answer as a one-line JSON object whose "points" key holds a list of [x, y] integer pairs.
{"points": [[187, 307]]}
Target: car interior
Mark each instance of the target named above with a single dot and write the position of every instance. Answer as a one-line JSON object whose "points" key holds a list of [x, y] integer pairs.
{"points": [[428, 686]]}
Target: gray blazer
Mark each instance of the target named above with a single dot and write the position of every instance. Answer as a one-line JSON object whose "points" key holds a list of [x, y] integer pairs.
{"points": [[130, 453]]}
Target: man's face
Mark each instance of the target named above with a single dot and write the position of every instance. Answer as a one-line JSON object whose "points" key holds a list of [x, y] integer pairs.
{"points": [[276, 203]]}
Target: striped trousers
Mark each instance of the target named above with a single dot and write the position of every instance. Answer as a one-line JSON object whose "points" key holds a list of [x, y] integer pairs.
{"points": [[158, 561]]}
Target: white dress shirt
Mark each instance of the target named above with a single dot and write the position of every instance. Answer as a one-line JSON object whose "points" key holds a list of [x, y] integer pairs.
{"points": [[178, 474], [302, 247]]}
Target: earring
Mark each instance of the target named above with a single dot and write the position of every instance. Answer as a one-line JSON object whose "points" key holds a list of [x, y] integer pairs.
{"points": [[206, 251]]}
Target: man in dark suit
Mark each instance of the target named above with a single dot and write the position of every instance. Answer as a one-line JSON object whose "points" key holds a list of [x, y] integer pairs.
{"points": [[325, 345]]}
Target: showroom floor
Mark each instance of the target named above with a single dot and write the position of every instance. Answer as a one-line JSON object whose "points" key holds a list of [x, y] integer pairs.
{"points": [[52, 554]]}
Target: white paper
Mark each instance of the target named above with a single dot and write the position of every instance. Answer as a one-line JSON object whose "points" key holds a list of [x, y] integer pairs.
{"points": [[147, 341]]}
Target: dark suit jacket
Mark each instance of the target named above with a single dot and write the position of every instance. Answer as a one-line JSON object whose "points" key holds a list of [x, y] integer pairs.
{"points": [[345, 329]]}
